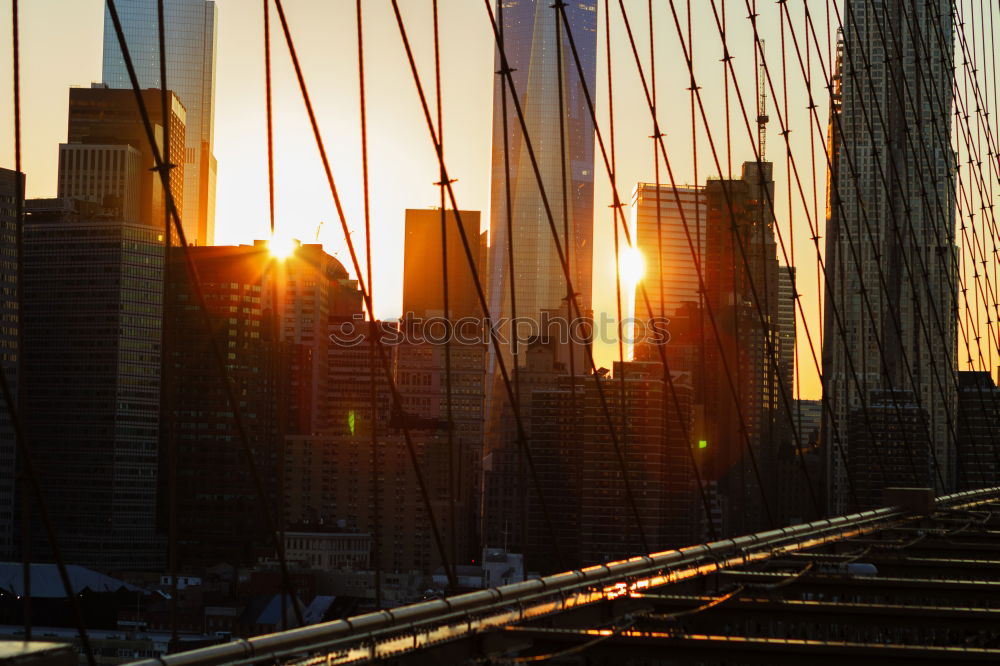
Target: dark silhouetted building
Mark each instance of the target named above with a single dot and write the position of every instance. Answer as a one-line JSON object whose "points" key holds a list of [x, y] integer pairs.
{"points": [[506, 481], [578, 469], [219, 512], [741, 389], [92, 313], [977, 447], [888, 447], [11, 191], [311, 286], [331, 475]]}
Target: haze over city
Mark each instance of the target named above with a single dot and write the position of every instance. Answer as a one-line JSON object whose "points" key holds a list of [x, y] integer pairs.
{"points": [[403, 164], [589, 332]]}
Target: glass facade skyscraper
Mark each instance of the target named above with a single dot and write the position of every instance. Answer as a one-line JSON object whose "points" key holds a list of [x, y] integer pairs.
{"points": [[190, 44], [529, 36], [561, 135]]}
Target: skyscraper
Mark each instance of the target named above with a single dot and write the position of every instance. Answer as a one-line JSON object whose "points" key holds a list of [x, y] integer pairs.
{"points": [[91, 380], [218, 509], [107, 158], [11, 188], [578, 472], [891, 256], [741, 378], [726, 338], [786, 326], [528, 29], [664, 245], [561, 136], [432, 366], [190, 44], [310, 286], [422, 279]]}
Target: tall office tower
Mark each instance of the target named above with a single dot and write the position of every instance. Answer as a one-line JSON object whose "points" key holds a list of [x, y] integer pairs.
{"points": [[559, 134], [92, 315], [890, 253], [422, 274], [190, 43], [11, 190], [529, 37], [218, 507], [107, 158], [657, 457], [671, 276], [978, 431], [429, 354], [741, 281]]}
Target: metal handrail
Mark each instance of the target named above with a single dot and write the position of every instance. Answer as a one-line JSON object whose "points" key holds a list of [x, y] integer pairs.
{"points": [[438, 620]]}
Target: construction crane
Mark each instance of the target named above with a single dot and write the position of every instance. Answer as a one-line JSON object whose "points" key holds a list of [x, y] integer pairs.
{"points": [[318, 227], [762, 117]]}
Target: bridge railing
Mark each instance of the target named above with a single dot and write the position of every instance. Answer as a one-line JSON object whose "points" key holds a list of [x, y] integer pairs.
{"points": [[407, 628]]}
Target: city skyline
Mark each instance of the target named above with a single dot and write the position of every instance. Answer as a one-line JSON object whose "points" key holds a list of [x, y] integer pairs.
{"points": [[302, 200], [190, 53], [342, 402]]}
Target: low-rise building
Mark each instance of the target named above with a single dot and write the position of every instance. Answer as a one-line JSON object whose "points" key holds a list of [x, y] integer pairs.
{"points": [[326, 549]]}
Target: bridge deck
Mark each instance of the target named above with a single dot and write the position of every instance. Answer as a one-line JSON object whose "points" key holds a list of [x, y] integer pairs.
{"points": [[878, 585]]}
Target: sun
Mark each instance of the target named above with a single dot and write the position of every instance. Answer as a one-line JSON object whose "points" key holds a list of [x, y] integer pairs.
{"points": [[631, 266], [282, 247]]}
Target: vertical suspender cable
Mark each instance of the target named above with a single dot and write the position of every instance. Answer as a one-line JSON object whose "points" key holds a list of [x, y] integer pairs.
{"points": [[568, 242], [20, 442], [273, 272], [449, 409], [25, 500], [616, 203], [374, 481], [23, 449], [511, 278], [166, 427]]}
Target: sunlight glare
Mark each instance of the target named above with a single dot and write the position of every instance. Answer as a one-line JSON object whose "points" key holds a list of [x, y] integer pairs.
{"points": [[282, 247], [632, 266]]}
